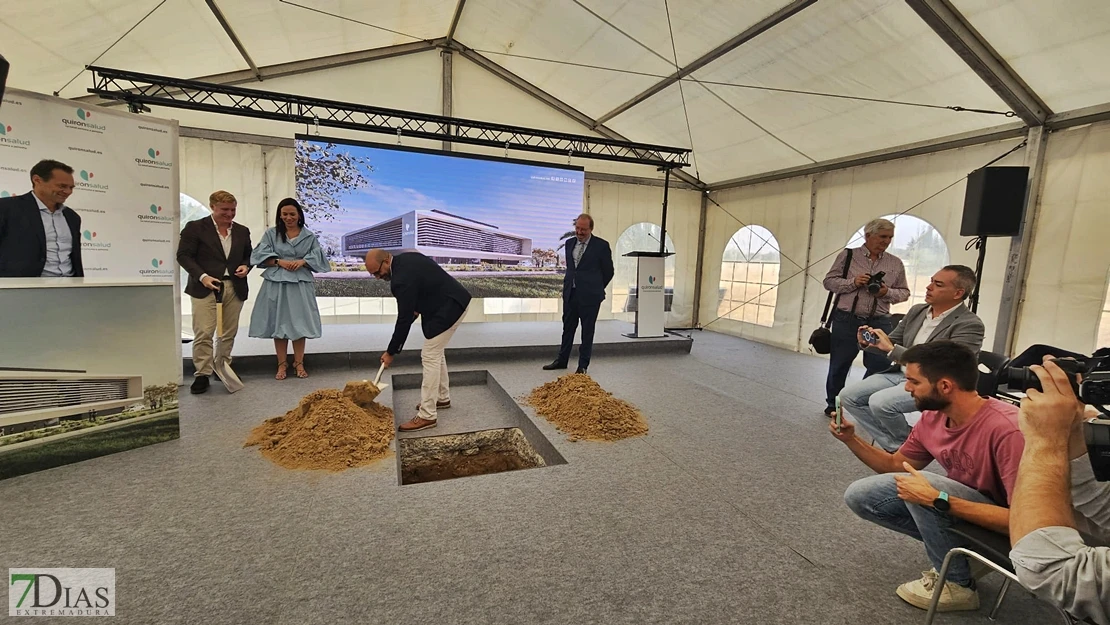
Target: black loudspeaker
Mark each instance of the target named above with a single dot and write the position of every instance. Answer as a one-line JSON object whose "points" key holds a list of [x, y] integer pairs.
{"points": [[3, 76], [995, 202]]}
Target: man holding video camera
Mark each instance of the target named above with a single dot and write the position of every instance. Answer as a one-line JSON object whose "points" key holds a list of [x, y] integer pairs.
{"points": [[875, 280], [1047, 518], [880, 402]]}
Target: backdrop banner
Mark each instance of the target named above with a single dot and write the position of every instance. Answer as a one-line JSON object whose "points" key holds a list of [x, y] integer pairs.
{"points": [[125, 170]]}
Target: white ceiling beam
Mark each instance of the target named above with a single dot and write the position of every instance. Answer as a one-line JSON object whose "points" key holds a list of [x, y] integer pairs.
{"points": [[455, 21], [292, 68], [557, 104], [234, 38], [754, 31], [987, 135], [965, 41]]}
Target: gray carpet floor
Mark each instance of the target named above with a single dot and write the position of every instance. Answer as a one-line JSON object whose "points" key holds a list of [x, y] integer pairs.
{"points": [[729, 511]]}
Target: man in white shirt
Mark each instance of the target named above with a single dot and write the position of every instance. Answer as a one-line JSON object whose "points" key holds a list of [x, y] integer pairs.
{"points": [[216, 252], [880, 402]]}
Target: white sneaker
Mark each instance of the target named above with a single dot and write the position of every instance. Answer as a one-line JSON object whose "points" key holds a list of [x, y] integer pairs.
{"points": [[953, 597]]}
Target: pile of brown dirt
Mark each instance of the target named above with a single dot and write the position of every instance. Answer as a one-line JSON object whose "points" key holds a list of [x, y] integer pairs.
{"points": [[580, 407], [328, 430]]}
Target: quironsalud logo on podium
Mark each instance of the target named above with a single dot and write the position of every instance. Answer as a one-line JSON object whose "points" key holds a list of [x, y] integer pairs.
{"points": [[651, 286]]}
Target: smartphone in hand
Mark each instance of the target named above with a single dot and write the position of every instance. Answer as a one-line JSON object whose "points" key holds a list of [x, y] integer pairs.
{"points": [[839, 414], [870, 337]]}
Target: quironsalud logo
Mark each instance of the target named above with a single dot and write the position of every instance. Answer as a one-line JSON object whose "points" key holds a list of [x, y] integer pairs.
{"points": [[153, 161], [10, 141], [61, 592], [155, 216], [159, 268], [94, 242], [83, 122], [651, 279], [86, 183]]}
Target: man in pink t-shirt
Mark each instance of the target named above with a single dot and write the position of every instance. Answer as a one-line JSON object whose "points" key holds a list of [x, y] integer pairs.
{"points": [[974, 438]]}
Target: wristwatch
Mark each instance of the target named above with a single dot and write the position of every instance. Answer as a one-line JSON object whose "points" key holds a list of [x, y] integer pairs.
{"points": [[941, 502]]}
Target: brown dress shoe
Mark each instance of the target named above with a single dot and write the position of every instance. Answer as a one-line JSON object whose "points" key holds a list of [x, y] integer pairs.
{"points": [[439, 405], [416, 423]]}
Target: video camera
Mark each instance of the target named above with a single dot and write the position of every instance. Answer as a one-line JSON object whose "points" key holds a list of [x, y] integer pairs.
{"points": [[1090, 380], [875, 284]]}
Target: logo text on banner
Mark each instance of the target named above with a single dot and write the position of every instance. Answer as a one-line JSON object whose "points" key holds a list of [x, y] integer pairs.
{"points": [[61, 592]]}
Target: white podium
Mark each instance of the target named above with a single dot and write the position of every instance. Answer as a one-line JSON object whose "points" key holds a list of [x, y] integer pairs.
{"points": [[650, 298]]}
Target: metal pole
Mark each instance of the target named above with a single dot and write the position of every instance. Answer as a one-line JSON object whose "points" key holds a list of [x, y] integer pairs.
{"points": [[1017, 262], [700, 267], [666, 186]]}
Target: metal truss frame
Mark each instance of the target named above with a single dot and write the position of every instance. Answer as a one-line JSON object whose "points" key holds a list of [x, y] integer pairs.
{"points": [[138, 89]]}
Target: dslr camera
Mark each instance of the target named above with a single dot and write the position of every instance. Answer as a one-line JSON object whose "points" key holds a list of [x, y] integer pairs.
{"points": [[1090, 380], [875, 283]]}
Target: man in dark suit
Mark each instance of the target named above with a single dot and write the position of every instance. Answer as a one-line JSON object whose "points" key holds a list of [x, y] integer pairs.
{"points": [[880, 401], [589, 271], [39, 235], [422, 287], [216, 253]]}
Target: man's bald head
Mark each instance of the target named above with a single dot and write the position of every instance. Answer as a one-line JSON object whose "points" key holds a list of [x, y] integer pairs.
{"points": [[379, 263]]}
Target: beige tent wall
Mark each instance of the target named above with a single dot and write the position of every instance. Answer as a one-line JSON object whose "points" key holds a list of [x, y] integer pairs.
{"points": [[207, 166], [783, 207], [1066, 288], [843, 201]]}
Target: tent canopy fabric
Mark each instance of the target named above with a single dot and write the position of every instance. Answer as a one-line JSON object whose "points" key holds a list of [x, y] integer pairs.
{"points": [[876, 75]]}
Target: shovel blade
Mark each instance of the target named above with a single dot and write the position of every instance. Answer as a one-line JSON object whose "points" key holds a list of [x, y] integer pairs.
{"points": [[230, 381]]}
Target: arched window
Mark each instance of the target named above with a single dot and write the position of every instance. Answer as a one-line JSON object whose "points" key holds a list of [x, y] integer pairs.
{"points": [[922, 250], [641, 237], [750, 276]]}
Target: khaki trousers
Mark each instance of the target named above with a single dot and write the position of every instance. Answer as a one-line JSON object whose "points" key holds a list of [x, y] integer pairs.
{"points": [[204, 329], [436, 385]]}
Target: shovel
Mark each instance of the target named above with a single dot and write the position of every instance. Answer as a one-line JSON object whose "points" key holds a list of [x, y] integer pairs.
{"points": [[377, 379], [222, 368]]}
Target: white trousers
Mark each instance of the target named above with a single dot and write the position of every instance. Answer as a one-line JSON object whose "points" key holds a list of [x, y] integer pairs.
{"points": [[436, 384]]}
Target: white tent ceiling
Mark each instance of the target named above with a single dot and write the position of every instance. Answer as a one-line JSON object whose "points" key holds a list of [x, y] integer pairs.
{"points": [[597, 56]]}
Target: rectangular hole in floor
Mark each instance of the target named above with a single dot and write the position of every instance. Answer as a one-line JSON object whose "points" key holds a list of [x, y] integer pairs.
{"points": [[435, 458]]}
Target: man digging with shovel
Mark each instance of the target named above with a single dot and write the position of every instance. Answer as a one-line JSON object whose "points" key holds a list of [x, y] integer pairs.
{"points": [[423, 288]]}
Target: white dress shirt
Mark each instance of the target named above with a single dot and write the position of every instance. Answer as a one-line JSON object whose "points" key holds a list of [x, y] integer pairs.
{"points": [[929, 325], [224, 241], [59, 242]]}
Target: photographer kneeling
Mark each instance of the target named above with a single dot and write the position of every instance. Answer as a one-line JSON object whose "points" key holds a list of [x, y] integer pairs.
{"points": [[1049, 554]]}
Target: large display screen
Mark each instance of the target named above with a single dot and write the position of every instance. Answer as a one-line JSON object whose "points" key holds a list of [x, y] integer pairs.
{"points": [[499, 226]]}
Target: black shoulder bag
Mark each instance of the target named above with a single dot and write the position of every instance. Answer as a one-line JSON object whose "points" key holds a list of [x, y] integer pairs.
{"points": [[821, 339]]}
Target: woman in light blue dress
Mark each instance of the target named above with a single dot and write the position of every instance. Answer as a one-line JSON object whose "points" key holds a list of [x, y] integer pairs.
{"points": [[285, 308]]}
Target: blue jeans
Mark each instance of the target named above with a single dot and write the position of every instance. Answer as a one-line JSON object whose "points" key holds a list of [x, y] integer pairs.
{"points": [[876, 499], [844, 347], [880, 403]]}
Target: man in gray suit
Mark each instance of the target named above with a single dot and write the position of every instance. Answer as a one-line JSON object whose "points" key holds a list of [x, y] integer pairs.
{"points": [[880, 402]]}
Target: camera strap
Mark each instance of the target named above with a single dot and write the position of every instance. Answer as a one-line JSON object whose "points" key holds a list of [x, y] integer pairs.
{"points": [[830, 301]]}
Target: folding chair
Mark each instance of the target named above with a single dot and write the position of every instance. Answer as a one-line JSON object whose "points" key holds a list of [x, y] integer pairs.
{"points": [[993, 550]]}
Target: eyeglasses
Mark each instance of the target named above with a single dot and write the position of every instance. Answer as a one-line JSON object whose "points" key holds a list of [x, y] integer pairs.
{"points": [[377, 272]]}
